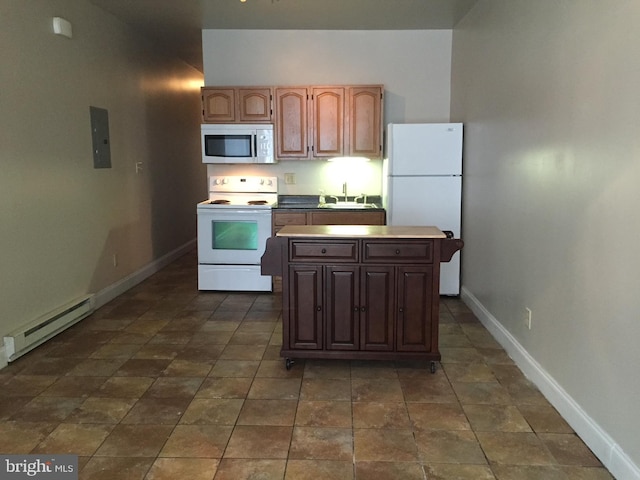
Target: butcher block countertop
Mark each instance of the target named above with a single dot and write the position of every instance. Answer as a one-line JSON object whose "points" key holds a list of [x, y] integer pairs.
{"points": [[356, 231]]}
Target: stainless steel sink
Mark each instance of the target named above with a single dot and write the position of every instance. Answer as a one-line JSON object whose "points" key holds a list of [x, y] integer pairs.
{"points": [[347, 205]]}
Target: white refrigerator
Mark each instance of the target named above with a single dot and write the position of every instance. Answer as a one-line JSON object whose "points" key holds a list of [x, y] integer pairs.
{"points": [[422, 183]]}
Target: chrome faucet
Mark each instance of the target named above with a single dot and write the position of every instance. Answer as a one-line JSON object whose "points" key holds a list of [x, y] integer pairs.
{"points": [[344, 190]]}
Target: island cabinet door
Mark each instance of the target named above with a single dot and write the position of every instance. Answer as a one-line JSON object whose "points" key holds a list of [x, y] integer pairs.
{"points": [[343, 310], [377, 308], [305, 313], [415, 309]]}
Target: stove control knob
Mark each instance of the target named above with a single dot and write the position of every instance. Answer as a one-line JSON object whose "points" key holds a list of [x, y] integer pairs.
{"points": [[216, 181], [225, 181]]}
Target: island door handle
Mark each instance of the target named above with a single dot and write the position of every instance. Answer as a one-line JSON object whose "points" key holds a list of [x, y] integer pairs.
{"points": [[324, 250], [398, 251]]}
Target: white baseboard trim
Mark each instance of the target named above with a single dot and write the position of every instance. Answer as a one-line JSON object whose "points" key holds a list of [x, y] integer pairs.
{"points": [[599, 441], [107, 294]]}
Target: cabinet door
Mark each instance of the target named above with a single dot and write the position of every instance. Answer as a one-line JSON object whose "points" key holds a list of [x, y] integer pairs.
{"points": [[342, 303], [377, 308], [414, 313], [292, 123], [254, 105], [218, 105], [347, 218], [328, 122], [305, 307], [365, 122]]}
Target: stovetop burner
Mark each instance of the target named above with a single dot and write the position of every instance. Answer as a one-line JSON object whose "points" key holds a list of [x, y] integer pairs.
{"points": [[220, 202], [257, 202]]}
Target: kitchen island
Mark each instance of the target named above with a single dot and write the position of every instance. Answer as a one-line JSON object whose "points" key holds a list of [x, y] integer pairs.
{"points": [[359, 291]]}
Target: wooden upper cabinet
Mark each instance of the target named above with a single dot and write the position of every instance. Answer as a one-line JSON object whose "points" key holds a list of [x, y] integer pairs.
{"points": [[291, 123], [254, 105], [236, 104], [331, 121], [365, 122], [218, 105], [328, 122]]}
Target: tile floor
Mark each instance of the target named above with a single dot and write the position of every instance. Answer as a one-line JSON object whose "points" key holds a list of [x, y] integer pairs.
{"points": [[165, 382]]}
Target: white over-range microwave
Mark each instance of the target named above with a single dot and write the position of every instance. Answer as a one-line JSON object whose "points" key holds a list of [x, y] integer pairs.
{"points": [[237, 143]]}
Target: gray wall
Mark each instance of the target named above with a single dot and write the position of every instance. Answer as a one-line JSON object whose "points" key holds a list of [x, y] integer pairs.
{"points": [[62, 220], [548, 92]]}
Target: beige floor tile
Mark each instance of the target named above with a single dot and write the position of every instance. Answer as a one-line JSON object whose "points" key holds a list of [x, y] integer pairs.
{"points": [[389, 471], [515, 448], [442, 446], [197, 441], [437, 416], [324, 413], [319, 469], [74, 439], [224, 387], [568, 449], [496, 418], [212, 411], [376, 390], [22, 437], [275, 388], [384, 445], [444, 471], [321, 443], [236, 469], [265, 442], [330, 389], [183, 468], [134, 440], [380, 415], [268, 412], [122, 468]]}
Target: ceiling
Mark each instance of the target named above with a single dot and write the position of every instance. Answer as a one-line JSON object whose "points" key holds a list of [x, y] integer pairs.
{"points": [[176, 25]]}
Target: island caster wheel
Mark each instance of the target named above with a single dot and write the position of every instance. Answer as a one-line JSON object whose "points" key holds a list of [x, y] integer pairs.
{"points": [[433, 367], [288, 363]]}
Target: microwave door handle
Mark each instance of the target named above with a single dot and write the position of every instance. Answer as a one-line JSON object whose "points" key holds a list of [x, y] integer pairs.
{"points": [[255, 148]]}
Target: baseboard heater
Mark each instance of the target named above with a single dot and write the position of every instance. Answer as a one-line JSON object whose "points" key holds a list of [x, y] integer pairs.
{"points": [[43, 328]]}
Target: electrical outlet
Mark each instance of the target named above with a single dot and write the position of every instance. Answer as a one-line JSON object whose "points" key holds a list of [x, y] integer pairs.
{"points": [[527, 317], [115, 259], [290, 178]]}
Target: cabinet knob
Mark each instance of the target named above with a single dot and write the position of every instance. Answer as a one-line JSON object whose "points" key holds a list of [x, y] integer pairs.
{"points": [[324, 250], [362, 309], [318, 308], [398, 251], [401, 309], [355, 309]]}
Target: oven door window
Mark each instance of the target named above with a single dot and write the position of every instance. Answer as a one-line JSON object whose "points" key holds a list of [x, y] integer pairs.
{"points": [[234, 235], [231, 145]]}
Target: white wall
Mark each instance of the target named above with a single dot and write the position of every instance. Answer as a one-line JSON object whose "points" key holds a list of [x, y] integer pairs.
{"points": [[61, 219], [414, 67], [548, 92]]}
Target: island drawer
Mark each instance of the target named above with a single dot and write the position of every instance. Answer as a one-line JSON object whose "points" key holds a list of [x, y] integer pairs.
{"points": [[415, 252], [302, 251]]}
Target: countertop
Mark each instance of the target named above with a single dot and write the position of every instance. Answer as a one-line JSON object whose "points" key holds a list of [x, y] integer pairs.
{"points": [[310, 202], [357, 231]]}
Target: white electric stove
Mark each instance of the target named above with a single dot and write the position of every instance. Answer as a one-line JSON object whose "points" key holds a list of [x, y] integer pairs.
{"points": [[233, 227]]}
